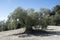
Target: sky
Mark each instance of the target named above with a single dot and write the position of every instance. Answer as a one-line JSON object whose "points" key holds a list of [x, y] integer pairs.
{"points": [[8, 6]]}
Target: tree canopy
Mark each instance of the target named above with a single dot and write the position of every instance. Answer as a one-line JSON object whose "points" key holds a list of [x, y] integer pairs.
{"points": [[30, 18]]}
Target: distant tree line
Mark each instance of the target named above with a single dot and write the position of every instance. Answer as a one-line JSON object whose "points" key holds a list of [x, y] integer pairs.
{"points": [[30, 18]]}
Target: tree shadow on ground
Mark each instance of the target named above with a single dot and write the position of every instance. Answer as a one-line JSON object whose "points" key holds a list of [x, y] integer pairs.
{"points": [[38, 33]]}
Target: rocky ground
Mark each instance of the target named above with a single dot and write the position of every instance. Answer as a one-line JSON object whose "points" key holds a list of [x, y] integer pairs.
{"points": [[54, 34]]}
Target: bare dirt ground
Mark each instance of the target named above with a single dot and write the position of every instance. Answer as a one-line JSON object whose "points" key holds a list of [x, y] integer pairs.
{"points": [[54, 34]]}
